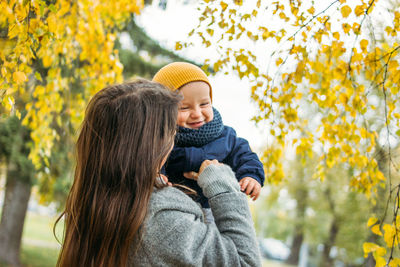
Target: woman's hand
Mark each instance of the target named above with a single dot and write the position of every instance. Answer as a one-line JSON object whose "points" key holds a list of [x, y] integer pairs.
{"points": [[195, 175]]}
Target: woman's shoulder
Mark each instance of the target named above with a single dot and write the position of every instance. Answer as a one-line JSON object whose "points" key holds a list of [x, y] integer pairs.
{"points": [[171, 198], [167, 193]]}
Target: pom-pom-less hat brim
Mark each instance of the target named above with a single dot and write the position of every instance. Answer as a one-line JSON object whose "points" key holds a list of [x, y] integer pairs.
{"points": [[177, 74]]}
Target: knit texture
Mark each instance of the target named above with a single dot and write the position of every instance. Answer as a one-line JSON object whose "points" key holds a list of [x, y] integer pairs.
{"points": [[199, 137], [217, 179], [177, 74], [174, 232]]}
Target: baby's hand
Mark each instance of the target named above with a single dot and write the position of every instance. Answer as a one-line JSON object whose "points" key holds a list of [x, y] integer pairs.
{"points": [[250, 186]]}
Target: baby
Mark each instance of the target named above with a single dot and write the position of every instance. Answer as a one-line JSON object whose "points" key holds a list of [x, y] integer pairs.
{"points": [[201, 134]]}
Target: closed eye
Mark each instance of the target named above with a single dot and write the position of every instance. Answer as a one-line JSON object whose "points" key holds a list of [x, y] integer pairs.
{"points": [[204, 104]]}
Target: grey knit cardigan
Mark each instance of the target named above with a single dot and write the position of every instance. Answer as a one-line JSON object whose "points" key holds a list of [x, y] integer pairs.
{"points": [[175, 233]]}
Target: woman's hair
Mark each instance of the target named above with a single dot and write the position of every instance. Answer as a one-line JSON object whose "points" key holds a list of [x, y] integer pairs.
{"points": [[127, 132]]}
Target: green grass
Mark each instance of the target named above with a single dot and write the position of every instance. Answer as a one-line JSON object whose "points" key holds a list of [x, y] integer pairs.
{"points": [[36, 256], [40, 227], [39, 246]]}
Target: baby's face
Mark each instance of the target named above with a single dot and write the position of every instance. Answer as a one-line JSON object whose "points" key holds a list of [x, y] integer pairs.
{"points": [[195, 109]]}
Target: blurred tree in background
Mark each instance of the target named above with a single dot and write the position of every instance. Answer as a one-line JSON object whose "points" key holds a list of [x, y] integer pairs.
{"points": [[325, 77], [54, 56], [326, 80], [304, 210]]}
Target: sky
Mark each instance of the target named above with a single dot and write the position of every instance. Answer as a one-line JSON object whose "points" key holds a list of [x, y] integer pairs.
{"points": [[231, 96]]}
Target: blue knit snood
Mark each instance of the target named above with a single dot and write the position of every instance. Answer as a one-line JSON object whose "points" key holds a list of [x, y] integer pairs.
{"points": [[199, 137]]}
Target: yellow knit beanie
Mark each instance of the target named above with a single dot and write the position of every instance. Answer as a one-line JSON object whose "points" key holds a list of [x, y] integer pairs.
{"points": [[177, 74]]}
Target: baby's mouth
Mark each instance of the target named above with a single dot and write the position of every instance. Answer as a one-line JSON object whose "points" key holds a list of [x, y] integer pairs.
{"points": [[196, 124]]}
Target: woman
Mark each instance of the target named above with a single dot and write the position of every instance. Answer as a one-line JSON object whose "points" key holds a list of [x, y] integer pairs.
{"points": [[119, 213]]}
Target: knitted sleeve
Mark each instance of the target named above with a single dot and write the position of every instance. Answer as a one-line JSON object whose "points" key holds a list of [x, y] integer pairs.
{"points": [[177, 236], [217, 179]]}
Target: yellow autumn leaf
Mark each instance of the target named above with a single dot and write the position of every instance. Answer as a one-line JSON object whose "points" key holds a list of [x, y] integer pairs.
{"points": [[389, 236], [380, 176], [359, 10], [364, 44], [380, 262], [8, 102], [4, 71], [231, 30], [395, 262], [282, 15], [278, 61], [51, 23], [390, 31], [336, 35], [346, 27], [246, 17], [369, 247], [343, 98], [294, 10], [356, 28], [311, 10], [345, 10], [21, 11], [18, 114], [178, 46], [47, 60], [265, 34], [14, 31], [19, 77], [314, 78], [381, 251], [371, 221], [223, 5], [375, 229]]}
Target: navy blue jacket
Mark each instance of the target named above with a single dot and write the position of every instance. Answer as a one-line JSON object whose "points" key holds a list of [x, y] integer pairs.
{"points": [[227, 148]]}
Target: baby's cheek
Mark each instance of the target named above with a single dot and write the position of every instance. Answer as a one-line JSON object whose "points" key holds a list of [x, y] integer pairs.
{"points": [[181, 119], [211, 116]]}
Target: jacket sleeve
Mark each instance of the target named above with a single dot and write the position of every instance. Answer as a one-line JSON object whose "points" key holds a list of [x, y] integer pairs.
{"points": [[180, 238], [244, 162]]}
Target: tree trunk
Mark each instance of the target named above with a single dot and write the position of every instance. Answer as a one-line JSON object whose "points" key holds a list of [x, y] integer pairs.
{"points": [[326, 259], [16, 198], [301, 196], [370, 261], [382, 158], [295, 248]]}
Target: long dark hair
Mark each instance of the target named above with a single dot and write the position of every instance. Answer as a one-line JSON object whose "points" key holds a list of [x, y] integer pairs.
{"points": [[127, 132]]}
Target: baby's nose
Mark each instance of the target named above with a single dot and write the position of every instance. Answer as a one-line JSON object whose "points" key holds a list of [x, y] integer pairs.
{"points": [[196, 113]]}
